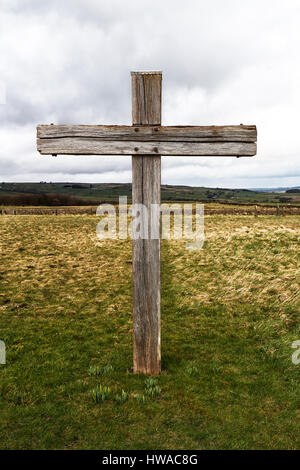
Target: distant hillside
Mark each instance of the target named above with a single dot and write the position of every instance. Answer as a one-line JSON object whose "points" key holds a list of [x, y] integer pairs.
{"points": [[293, 191], [95, 193], [277, 190]]}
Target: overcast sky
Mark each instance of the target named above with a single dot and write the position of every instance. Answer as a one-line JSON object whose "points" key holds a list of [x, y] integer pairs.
{"points": [[223, 62]]}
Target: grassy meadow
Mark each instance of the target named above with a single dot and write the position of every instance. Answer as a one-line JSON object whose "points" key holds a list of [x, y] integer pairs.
{"points": [[230, 313]]}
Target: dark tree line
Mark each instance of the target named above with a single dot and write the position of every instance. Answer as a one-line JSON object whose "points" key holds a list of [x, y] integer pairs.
{"points": [[44, 200]]}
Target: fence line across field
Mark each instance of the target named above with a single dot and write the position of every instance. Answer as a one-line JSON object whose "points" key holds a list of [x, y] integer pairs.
{"points": [[226, 210]]}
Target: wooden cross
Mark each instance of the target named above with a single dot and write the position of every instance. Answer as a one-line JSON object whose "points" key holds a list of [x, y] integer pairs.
{"points": [[146, 140]]}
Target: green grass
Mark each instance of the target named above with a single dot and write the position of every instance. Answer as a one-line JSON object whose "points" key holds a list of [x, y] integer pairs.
{"points": [[230, 313]]}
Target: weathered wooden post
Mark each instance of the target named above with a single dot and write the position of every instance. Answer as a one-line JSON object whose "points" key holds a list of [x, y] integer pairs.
{"points": [[146, 178]]}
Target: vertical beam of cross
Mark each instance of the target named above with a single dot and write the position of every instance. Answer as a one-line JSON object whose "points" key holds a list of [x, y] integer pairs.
{"points": [[146, 179]]}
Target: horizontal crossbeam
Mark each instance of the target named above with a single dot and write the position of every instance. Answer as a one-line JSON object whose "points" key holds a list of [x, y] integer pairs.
{"points": [[147, 140]]}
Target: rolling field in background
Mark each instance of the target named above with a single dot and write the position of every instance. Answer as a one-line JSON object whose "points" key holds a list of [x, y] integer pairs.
{"points": [[55, 194]]}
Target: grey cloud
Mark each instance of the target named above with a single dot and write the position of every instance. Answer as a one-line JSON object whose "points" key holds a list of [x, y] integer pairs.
{"points": [[223, 62]]}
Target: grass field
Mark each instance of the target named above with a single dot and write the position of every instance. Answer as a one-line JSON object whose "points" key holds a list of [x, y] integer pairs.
{"points": [[230, 313]]}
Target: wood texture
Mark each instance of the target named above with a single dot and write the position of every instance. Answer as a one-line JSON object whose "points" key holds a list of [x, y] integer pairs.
{"points": [[151, 133], [97, 146], [146, 179]]}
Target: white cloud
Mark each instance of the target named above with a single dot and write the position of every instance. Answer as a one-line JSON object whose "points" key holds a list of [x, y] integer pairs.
{"points": [[223, 62]]}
